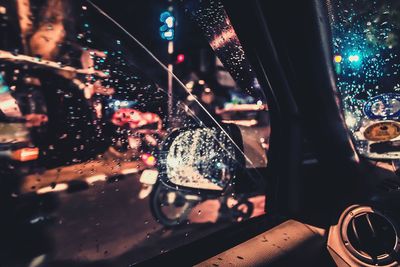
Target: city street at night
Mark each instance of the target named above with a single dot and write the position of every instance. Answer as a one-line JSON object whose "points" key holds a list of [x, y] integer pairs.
{"points": [[199, 133], [100, 217]]}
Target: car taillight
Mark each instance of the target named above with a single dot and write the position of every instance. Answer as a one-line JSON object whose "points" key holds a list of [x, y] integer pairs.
{"points": [[25, 154]]}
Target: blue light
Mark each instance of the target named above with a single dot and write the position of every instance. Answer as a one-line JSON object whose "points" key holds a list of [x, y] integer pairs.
{"points": [[165, 15], [3, 87], [167, 29], [170, 22], [354, 58], [168, 35], [163, 28]]}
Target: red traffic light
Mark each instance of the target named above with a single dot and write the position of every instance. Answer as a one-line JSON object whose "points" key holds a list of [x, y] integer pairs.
{"points": [[180, 58]]}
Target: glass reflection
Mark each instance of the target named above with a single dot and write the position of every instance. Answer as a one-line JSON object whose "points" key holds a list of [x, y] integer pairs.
{"points": [[83, 116], [201, 158], [366, 62]]}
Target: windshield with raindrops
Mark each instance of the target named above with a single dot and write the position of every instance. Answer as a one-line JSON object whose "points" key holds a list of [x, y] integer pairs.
{"points": [[366, 61], [122, 140]]}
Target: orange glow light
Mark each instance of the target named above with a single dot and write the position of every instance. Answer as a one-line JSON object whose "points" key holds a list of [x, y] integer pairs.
{"points": [[26, 154], [337, 58], [151, 161]]}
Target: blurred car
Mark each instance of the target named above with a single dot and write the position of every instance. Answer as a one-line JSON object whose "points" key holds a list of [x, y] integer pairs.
{"points": [[244, 114]]}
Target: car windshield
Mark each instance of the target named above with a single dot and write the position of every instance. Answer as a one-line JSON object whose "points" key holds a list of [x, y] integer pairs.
{"points": [[366, 61], [119, 144]]}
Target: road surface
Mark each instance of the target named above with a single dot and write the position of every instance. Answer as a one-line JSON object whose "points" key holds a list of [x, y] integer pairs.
{"points": [[97, 215]]}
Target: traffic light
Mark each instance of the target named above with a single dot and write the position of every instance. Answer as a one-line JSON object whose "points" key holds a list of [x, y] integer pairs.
{"points": [[354, 58], [337, 59], [167, 29], [180, 58]]}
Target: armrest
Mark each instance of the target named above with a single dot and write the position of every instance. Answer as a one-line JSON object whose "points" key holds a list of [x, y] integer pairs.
{"points": [[289, 244]]}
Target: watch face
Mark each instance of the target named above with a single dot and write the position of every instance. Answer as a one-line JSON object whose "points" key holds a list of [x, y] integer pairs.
{"points": [[382, 131]]}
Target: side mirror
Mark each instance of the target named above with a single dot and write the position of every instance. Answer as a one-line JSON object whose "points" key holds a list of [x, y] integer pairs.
{"points": [[205, 159]]}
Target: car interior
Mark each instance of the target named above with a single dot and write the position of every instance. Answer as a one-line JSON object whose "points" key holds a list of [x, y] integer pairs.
{"points": [[127, 164]]}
